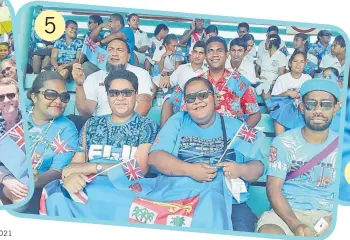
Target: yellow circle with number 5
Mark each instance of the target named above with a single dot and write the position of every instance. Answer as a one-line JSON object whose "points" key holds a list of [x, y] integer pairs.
{"points": [[347, 173], [50, 25]]}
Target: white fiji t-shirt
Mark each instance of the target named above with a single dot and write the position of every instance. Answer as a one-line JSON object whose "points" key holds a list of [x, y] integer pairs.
{"points": [[184, 73], [95, 90], [331, 61], [170, 61], [270, 65], [286, 82]]}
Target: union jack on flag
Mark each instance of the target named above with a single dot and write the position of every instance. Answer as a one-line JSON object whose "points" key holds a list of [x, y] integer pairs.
{"points": [[60, 146], [17, 134], [247, 134], [100, 58], [132, 170], [90, 44]]}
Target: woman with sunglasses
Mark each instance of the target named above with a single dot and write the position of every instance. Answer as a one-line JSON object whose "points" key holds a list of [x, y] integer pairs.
{"points": [[8, 69], [53, 138], [104, 141], [285, 95]]}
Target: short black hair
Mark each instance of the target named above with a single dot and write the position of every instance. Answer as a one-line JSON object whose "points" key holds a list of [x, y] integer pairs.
{"points": [[200, 44], [121, 73], [243, 25], [333, 70], [159, 28], [273, 28], [248, 37], [119, 18], [68, 22], [340, 40], [199, 79], [132, 15], [239, 42], [216, 39], [98, 19], [212, 29]]}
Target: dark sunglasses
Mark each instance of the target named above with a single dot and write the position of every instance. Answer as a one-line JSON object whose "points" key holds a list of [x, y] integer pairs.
{"points": [[5, 70], [191, 98], [326, 105], [327, 34], [124, 92], [10, 96], [50, 94]]}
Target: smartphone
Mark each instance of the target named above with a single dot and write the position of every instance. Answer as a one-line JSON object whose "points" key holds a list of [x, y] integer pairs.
{"points": [[321, 225]]}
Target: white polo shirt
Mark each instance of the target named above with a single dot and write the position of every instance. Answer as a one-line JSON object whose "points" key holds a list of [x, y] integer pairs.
{"points": [[141, 39], [246, 69], [170, 61], [261, 48], [184, 73], [250, 57], [286, 82], [95, 89], [331, 61], [270, 65]]}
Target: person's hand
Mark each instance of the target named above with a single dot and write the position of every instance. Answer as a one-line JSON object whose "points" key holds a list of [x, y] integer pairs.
{"points": [[193, 25], [60, 67], [75, 183], [78, 74], [303, 230], [231, 170], [105, 25], [167, 53], [17, 188], [76, 168], [164, 82], [292, 93], [202, 172], [35, 174]]}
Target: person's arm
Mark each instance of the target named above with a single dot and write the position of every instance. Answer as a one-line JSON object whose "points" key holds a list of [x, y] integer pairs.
{"points": [[282, 70], [161, 62], [144, 104], [46, 177], [279, 203], [167, 164], [166, 113], [54, 55], [85, 106], [186, 36], [113, 36], [249, 171], [142, 49], [254, 119], [95, 34], [250, 106]]}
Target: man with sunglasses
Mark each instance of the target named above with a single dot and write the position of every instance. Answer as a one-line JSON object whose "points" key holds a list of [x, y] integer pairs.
{"points": [[301, 171], [91, 96], [10, 114], [242, 105]]}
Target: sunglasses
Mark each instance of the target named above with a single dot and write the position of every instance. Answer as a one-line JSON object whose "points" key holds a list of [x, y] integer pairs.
{"points": [[50, 94], [10, 96], [5, 70], [327, 34], [191, 98], [124, 92], [325, 105]]}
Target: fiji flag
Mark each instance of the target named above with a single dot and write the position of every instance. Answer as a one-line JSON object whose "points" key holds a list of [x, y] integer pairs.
{"points": [[310, 66], [13, 157], [128, 174], [247, 141], [238, 83], [284, 50], [17, 134], [94, 53], [176, 97]]}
